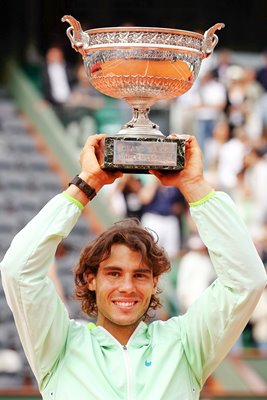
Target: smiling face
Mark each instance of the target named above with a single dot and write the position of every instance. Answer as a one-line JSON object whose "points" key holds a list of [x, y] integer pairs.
{"points": [[124, 285]]}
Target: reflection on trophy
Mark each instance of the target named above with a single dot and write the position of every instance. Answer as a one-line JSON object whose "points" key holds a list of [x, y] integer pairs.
{"points": [[141, 65]]}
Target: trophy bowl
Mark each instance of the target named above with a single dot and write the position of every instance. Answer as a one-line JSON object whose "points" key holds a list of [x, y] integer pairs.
{"points": [[141, 65]]}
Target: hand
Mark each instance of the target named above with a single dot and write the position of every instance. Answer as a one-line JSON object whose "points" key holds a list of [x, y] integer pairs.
{"points": [[190, 180], [91, 171]]}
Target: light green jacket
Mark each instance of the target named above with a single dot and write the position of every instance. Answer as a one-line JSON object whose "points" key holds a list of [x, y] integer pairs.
{"points": [[162, 361]]}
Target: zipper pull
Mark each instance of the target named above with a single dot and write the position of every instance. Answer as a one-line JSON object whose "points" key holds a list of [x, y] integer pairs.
{"points": [[124, 347]]}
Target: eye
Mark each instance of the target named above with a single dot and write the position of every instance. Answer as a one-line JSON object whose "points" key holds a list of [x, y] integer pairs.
{"points": [[114, 274], [140, 275]]}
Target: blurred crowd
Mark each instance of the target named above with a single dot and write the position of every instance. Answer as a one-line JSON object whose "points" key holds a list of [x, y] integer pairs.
{"points": [[226, 109]]}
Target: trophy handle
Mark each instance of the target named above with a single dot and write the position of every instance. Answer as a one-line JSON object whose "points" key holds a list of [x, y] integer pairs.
{"points": [[210, 39], [78, 38]]}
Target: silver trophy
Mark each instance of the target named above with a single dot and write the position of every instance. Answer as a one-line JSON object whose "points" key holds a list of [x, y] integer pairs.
{"points": [[141, 65]]}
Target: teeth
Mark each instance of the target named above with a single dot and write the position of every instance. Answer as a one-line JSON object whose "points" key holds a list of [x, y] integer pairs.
{"points": [[124, 303]]}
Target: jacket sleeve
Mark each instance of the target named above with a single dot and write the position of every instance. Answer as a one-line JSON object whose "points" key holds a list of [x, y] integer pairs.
{"points": [[40, 316], [213, 323]]}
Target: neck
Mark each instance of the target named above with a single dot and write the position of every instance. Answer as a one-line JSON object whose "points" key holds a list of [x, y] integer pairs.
{"points": [[121, 333]]}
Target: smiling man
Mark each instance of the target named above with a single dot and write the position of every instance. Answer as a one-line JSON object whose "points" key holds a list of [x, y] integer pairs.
{"points": [[120, 283], [124, 286], [121, 357]]}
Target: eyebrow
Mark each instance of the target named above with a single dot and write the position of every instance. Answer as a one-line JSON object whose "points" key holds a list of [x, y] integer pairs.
{"points": [[114, 268]]}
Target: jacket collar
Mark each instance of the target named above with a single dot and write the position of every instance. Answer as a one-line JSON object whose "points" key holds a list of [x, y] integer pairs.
{"points": [[139, 337]]}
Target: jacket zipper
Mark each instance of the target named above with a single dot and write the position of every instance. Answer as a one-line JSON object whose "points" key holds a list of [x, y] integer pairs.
{"points": [[126, 361], [128, 372]]}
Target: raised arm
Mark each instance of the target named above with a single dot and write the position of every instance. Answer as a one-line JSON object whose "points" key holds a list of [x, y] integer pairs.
{"points": [[213, 323], [40, 316]]}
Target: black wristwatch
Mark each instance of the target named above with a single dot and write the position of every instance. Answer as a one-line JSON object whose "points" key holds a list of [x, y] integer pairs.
{"points": [[84, 187]]}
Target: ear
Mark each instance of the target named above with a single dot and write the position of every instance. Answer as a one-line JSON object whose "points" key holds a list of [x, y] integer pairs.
{"points": [[91, 279], [155, 284]]}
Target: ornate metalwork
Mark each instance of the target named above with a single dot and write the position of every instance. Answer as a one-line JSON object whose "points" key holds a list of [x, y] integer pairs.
{"points": [[142, 65]]}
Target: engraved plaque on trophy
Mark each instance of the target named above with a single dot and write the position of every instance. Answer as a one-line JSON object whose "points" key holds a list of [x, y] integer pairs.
{"points": [[142, 65]]}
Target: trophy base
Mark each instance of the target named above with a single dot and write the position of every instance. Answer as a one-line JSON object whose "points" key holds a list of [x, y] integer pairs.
{"points": [[140, 154]]}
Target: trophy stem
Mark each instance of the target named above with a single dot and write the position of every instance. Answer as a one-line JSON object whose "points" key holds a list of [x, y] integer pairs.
{"points": [[140, 124]]}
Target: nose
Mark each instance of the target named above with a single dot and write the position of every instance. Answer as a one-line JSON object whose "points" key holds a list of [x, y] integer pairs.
{"points": [[126, 285]]}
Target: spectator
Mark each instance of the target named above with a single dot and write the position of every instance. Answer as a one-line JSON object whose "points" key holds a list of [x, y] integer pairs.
{"points": [[253, 94], [235, 95], [209, 105], [163, 208], [58, 78], [195, 273], [125, 197], [259, 323], [213, 145], [223, 63], [261, 74], [82, 103], [255, 164], [230, 160]]}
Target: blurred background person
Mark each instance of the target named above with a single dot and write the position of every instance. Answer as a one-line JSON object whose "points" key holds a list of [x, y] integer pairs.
{"points": [[82, 103], [244, 95], [259, 317], [163, 209], [259, 323], [255, 164], [261, 76], [261, 73], [57, 80], [253, 93], [195, 273], [182, 117], [224, 61], [213, 145], [124, 197], [209, 104], [230, 159]]}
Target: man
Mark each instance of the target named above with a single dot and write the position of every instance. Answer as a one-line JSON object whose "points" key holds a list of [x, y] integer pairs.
{"points": [[121, 357], [163, 207], [58, 79]]}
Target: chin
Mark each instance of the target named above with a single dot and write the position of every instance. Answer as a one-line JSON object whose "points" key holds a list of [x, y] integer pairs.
{"points": [[127, 321]]}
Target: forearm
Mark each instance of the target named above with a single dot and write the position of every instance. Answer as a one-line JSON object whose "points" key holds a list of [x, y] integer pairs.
{"points": [[193, 192], [76, 193]]}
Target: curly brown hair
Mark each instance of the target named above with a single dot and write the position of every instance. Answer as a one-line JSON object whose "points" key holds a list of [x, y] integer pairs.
{"points": [[130, 233]]}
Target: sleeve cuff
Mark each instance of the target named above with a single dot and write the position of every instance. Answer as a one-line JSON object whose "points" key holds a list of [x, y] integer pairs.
{"points": [[73, 200], [203, 200]]}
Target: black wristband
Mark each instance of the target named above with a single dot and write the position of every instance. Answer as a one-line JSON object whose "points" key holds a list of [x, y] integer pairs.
{"points": [[84, 187]]}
